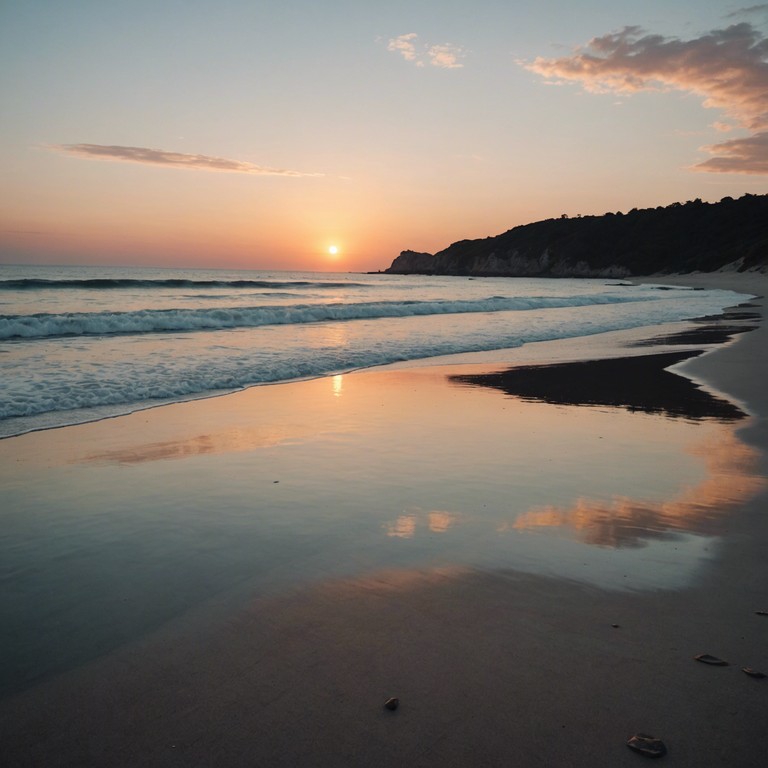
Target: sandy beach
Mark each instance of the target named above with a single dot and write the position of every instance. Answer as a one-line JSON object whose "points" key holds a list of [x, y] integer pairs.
{"points": [[556, 662]]}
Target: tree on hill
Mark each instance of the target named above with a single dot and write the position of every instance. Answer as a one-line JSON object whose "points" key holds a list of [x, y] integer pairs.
{"points": [[681, 237]]}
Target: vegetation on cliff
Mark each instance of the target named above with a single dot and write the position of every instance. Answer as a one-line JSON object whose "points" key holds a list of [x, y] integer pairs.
{"points": [[682, 237]]}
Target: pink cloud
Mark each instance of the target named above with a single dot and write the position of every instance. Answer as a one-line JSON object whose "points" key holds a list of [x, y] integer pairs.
{"points": [[445, 56], [162, 157], [727, 68], [405, 46], [747, 155]]}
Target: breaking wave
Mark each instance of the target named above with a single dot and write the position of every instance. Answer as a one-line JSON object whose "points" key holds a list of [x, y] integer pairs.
{"points": [[47, 326]]}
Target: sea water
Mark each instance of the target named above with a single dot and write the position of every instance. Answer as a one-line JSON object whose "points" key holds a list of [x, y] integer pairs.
{"points": [[83, 343]]}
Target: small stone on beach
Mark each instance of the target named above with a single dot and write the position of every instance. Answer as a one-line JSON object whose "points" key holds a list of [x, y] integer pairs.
{"points": [[706, 658], [392, 704], [753, 673], [615, 626], [647, 745], [762, 613]]}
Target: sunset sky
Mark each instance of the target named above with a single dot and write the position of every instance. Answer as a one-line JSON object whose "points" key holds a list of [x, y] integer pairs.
{"points": [[258, 135]]}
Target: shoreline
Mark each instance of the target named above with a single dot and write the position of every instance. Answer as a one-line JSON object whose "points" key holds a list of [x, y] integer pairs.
{"points": [[488, 663], [526, 352]]}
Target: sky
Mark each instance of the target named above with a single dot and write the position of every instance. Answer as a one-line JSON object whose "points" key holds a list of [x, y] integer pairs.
{"points": [[247, 134]]}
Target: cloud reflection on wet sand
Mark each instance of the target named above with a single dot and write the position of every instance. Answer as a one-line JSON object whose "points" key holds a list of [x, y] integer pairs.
{"points": [[230, 441], [436, 520], [701, 509]]}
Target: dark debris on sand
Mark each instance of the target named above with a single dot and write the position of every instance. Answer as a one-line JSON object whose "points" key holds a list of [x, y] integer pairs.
{"points": [[646, 745]]}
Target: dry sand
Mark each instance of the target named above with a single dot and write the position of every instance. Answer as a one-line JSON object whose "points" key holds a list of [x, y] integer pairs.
{"points": [[491, 668]]}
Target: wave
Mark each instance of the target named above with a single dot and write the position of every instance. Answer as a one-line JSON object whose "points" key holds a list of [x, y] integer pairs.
{"points": [[99, 283], [47, 326]]}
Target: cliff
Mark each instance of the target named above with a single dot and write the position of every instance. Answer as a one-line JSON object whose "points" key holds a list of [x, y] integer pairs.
{"points": [[678, 238]]}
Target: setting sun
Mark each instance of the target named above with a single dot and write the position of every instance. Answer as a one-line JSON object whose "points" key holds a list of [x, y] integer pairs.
{"points": [[333, 250]]}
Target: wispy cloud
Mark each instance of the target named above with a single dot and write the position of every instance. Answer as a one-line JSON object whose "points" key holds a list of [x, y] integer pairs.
{"points": [[444, 55], [728, 68], [35, 232], [146, 156], [762, 8], [747, 155]]}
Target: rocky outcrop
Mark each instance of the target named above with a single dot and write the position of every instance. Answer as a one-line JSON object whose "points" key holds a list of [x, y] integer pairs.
{"points": [[695, 236], [412, 262], [494, 265]]}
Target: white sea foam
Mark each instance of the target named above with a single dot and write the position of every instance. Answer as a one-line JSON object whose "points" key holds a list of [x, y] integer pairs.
{"points": [[46, 325]]}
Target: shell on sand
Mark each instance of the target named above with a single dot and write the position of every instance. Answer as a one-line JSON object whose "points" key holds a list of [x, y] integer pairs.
{"points": [[706, 658], [392, 704], [753, 673], [647, 745]]}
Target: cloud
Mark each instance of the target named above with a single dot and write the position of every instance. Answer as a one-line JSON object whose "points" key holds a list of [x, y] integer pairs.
{"points": [[763, 7], [727, 68], [27, 232], [747, 155], [445, 55], [405, 46], [147, 156]]}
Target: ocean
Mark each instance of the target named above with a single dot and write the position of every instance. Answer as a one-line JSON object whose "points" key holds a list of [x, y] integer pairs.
{"points": [[79, 344]]}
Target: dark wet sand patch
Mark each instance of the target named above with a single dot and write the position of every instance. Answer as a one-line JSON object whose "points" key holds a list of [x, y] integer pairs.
{"points": [[635, 383], [710, 334]]}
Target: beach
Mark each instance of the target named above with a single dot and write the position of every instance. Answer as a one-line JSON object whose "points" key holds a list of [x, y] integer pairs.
{"points": [[386, 509]]}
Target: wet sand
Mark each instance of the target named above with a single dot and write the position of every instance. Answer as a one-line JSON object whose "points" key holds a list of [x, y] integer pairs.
{"points": [[492, 666]]}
